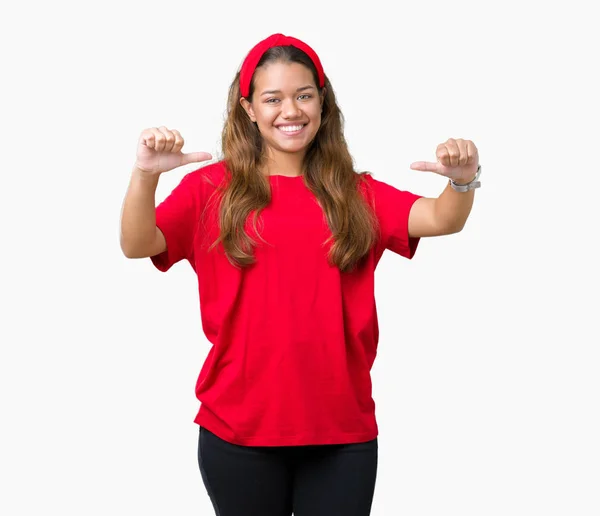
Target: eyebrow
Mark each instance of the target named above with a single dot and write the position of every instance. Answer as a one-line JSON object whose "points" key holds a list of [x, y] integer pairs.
{"points": [[303, 88]]}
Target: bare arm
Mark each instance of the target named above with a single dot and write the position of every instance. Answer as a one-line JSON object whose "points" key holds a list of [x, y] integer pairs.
{"points": [[458, 159], [159, 150], [443, 215], [140, 238]]}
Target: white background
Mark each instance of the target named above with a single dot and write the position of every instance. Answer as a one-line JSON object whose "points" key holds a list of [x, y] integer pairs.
{"points": [[486, 383]]}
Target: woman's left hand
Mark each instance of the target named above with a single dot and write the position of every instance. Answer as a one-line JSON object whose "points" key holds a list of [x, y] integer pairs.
{"points": [[457, 160]]}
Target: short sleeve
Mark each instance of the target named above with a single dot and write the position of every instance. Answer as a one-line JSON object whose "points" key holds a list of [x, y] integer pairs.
{"points": [[392, 207], [176, 217]]}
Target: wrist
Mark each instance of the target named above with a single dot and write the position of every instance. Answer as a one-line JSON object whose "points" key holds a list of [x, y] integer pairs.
{"points": [[470, 185], [143, 175], [144, 179], [462, 181]]}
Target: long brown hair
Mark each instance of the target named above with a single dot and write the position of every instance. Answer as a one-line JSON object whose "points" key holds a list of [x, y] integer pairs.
{"points": [[328, 172]]}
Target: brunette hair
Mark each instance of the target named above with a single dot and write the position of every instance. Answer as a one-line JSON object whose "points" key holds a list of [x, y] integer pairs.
{"points": [[328, 172]]}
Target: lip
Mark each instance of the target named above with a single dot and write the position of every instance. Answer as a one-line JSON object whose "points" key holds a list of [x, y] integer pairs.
{"points": [[287, 133]]}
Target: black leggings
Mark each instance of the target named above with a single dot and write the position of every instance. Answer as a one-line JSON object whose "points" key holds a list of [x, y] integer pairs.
{"points": [[317, 480]]}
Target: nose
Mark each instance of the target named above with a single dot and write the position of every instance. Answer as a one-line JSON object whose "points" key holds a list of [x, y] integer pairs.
{"points": [[290, 109]]}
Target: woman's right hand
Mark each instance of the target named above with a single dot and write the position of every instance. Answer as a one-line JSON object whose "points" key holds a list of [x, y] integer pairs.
{"points": [[159, 150]]}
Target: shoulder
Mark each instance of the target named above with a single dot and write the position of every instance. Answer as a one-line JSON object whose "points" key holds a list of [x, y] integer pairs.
{"points": [[364, 181], [203, 182], [384, 197], [212, 174], [369, 184], [377, 187], [373, 189]]}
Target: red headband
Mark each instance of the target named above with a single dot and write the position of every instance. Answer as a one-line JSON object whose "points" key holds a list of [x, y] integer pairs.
{"points": [[275, 40]]}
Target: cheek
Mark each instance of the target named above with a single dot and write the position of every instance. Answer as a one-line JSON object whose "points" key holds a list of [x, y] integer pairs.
{"points": [[265, 117], [315, 111]]}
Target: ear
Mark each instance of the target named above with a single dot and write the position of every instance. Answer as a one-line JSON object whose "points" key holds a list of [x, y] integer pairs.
{"points": [[248, 108]]}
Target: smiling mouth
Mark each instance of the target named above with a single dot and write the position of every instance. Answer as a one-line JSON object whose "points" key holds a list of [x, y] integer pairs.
{"points": [[292, 130]]}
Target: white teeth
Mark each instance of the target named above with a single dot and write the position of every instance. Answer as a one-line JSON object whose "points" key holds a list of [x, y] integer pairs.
{"points": [[291, 128]]}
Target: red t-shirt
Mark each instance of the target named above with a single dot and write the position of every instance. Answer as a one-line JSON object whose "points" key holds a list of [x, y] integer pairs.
{"points": [[293, 339]]}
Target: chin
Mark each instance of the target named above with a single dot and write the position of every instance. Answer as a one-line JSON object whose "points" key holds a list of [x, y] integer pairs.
{"points": [[294, 150]]}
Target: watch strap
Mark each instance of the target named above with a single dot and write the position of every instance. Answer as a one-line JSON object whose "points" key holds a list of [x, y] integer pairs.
{"points": [[475, 183]]}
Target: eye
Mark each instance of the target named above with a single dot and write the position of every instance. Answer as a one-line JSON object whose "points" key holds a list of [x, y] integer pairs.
{"points": [[304, 96]]}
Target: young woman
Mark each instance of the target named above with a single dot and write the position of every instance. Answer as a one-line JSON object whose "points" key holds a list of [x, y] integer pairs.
{"points": [[284, 236]]}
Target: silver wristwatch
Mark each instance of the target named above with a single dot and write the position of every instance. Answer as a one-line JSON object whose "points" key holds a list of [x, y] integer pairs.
{"points": [[475, 183]]}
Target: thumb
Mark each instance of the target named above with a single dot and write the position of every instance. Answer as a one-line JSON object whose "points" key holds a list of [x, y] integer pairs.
{"points": [[425, 166], [195, 157]]}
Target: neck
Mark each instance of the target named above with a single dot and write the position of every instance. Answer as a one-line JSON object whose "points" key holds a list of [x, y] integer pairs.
{"points": [[283, 163]]}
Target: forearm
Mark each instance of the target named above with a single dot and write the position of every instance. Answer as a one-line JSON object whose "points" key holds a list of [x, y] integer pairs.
{"points": [[452, 208], [138, 216]]}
